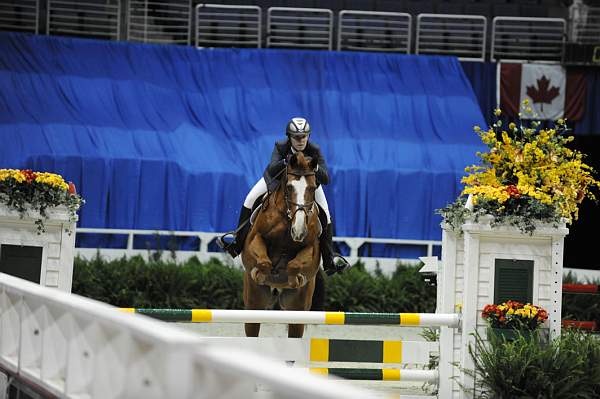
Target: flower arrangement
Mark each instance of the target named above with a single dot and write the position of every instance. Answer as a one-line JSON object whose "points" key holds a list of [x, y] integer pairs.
{"points": [[529, 174], [23, 190], [514, 315]]}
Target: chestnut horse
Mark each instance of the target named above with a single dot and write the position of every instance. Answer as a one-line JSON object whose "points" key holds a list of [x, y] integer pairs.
{"points": [[281, 253]]}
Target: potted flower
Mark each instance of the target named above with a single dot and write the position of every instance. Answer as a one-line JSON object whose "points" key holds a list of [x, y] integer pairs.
{"points": [[25, 191], [528, 175], [511, 318]]}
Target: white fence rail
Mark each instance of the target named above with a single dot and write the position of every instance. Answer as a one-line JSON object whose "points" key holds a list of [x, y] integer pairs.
{"points": [[228, 26], [206, 249], [310, 28], [96, 19], [73, 347], [374, 31], [585, 25], [19, 15], [463, 36], [160, 21], [523, 39]]}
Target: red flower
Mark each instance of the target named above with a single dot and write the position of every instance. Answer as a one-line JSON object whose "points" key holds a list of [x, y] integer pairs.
{"points": [[513, 191], [29, 175], [72, 190]]}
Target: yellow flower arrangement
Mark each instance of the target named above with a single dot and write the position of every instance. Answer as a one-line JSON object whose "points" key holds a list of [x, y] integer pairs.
{"points": [[529, 174], [24, 189]]}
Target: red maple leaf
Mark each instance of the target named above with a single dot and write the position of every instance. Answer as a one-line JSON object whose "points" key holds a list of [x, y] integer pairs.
{"points": [[544, 94]]}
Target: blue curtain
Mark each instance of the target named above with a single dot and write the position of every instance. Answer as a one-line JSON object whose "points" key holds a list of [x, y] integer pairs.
{"points": [[166, 137], [482, 76], [590, 122]]}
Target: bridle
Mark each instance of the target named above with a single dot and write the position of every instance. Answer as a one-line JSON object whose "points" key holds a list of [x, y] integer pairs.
{"points": [[307, 208]]}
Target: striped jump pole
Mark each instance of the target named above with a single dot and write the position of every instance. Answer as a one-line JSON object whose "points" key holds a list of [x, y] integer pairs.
{"points": [[430, 376], [317, 354], [299, 317]]}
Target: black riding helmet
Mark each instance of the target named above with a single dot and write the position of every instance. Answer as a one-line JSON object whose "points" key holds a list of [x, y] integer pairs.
{"points": [[297, 127]]}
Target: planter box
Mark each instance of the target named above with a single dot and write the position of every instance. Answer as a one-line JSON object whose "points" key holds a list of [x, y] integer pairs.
{"points": [[45, 258]]}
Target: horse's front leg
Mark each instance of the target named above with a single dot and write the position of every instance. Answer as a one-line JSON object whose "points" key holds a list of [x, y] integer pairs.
{"points": [[261, 265], [302, 268]]}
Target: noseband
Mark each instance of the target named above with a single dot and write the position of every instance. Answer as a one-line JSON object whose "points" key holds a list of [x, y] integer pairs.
{"points": [[307, 208]]}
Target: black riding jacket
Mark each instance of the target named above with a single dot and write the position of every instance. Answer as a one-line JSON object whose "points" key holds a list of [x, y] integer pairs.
{"points": [[281, 150]]}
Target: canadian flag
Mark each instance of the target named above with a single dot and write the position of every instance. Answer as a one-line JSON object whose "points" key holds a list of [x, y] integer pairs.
{"points": [[553, 92]]}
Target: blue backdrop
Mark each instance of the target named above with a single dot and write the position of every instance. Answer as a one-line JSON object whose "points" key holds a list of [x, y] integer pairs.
{"points": [[166, 137]]}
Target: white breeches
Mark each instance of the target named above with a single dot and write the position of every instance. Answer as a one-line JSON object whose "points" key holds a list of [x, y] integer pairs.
{"points": [[260, 188]]}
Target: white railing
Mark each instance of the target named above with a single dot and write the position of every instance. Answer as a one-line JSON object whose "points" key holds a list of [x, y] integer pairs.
{"points": [[97, 19], [585, 25], [525, 39], [206, 248], [170, 21], [228, 26], [19, 15], [463, 36], [374, 31], [160, 21], [72, 347], [300, 28]]}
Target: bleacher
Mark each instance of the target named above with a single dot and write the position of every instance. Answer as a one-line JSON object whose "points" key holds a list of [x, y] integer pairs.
{"points": [[484, 30]]}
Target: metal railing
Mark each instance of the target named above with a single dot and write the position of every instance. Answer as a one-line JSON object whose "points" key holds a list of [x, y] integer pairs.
{"points": [[217, 25], [523, 39], [300, 28], [160, 21], [585, 26], [19, 15], [96, 19], [228, 26], [374, 31], [463, 36]]}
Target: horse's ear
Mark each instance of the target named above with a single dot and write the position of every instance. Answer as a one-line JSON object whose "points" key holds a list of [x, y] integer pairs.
{"points": [[293, 161], [314, 162]]}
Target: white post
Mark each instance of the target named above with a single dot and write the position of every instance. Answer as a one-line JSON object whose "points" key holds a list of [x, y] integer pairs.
{"points": [[446, 290], [469, 320]]}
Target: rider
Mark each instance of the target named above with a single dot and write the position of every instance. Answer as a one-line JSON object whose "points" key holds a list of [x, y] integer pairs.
{"points": [[298, 133]]}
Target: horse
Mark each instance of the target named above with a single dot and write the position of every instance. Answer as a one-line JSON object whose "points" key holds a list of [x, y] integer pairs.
{"points": [[281, 253]]}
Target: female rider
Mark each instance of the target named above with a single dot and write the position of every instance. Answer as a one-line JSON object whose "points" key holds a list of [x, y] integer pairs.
{"points": [[297, 132]]}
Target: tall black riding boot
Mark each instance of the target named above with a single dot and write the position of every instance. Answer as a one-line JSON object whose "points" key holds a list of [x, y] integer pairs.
{"points": [[328, 254], [235, 247]]}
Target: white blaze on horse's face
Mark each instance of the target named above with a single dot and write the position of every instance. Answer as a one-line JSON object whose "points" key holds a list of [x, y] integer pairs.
{"points": [[299, 229]]}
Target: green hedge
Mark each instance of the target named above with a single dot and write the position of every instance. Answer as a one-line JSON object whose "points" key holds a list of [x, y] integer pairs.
{"points": [[163, 284], [567, 367]]}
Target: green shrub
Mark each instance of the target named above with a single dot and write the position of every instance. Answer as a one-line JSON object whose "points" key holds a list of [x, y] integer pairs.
{"points": [[567, 367], [165, 284], [158, 284]]}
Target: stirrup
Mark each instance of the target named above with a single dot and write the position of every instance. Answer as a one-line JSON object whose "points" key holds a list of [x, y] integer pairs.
{"points": [[339, 265], [228, 247]]}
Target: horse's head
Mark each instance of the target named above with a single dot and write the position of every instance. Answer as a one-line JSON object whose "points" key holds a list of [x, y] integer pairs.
{"points": [[300, 187]]}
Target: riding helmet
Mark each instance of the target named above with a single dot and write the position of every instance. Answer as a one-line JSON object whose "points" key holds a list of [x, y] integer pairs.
{"points": [[297, 126]]}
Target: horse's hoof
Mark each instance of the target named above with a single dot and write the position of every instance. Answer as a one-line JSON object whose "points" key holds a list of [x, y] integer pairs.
{"points": [[296, 281], [258, 277]]}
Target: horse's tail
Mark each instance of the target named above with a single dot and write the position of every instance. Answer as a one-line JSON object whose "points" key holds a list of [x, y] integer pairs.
{"points": [[318, 300]]}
